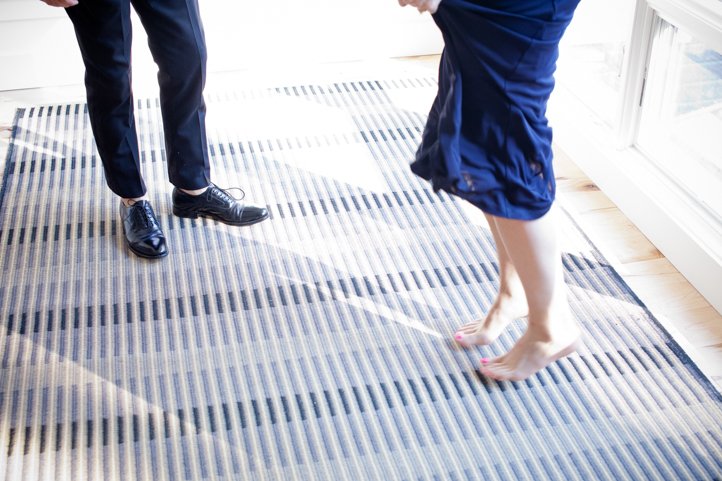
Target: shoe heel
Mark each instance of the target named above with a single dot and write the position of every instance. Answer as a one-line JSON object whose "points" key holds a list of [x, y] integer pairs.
{"points": [[188, 214]]}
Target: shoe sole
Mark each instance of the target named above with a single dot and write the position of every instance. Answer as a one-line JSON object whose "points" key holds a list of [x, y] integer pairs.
{"points": [[195, 215], [146, 256]]}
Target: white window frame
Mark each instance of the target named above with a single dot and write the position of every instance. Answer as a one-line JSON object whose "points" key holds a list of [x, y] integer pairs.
{"points": [[701, 17], [652, 201]]}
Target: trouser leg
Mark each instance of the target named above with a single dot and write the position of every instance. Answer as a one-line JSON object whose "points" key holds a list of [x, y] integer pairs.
{"points": [[103, 30], [177, 43]]}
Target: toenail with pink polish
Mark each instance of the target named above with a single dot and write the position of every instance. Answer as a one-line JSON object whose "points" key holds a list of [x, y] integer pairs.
{"points": [[459, 337], [485, 360]]}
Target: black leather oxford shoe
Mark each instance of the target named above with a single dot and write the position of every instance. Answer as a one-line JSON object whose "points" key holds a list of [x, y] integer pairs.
{"points": [[142, 231], [216, 203]]}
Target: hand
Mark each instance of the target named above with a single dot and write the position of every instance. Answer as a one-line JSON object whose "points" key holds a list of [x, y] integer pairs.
{"points": [[422, 5], [61, 3]]}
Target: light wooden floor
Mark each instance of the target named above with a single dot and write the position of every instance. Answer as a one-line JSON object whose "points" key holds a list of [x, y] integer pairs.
{"points": [[679, 306], [685, 313]]}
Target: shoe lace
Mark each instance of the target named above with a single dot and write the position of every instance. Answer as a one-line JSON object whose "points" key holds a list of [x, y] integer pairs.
{"points": [[225, 196], [144, 214]]}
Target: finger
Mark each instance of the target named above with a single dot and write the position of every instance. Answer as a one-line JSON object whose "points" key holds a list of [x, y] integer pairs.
{"points": [[61, 3], [431, 5], [425, 6]]}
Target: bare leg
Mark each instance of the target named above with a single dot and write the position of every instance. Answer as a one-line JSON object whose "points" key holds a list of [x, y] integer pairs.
{"points": [[510, 303], [552, 333]]}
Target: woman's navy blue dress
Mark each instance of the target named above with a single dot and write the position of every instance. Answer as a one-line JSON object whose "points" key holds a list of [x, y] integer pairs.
{"points": [[487, 139]]}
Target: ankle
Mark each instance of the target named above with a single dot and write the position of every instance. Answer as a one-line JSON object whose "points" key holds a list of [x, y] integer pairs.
{"points": [[550, 324], [194, 192], [128, 201], [511, 301], [511, 288]]}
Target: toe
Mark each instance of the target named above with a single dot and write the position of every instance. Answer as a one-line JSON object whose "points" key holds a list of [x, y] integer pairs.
{"points": [[500, 372], [487, 371], [470, 328]]}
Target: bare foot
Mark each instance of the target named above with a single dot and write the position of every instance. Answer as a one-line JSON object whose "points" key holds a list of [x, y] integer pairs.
{"points": [[535, 350], [479, 333]]}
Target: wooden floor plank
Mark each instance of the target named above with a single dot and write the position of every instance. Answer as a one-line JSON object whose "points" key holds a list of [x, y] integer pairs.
{"points": [[670, 297]]}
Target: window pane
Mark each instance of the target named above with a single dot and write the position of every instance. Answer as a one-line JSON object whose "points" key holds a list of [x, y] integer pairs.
{"points": [[592, 51], [681, 124]]}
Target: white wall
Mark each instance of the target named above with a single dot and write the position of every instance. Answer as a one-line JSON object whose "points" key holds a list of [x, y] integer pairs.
{"points": [[38, 49], [37, 46]]}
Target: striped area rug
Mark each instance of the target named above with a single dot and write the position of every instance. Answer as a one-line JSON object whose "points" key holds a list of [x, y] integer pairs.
{"points": [[315, 345]]}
